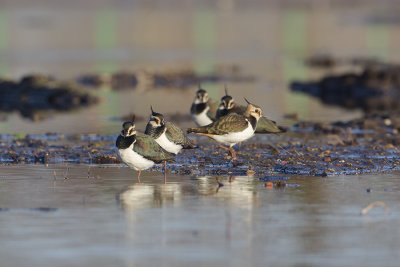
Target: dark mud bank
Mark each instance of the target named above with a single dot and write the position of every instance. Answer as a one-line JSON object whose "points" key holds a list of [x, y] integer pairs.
{"points": [[177, 79], [375, 88], [34, 95], [367, 145]]}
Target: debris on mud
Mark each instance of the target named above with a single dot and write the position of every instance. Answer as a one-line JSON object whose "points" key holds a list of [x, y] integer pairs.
{"points": [[35, 95], [367, 145], [375, 88], [145, 79], [375, 204]]}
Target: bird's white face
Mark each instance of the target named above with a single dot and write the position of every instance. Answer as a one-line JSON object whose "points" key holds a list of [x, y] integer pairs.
{"points": [[156, 121], [229, 103], [201, 97], [254, 111], [128, 129]]}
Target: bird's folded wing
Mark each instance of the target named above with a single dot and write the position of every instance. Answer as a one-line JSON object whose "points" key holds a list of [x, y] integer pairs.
{"points": [[150, 149], [228, 124], [174, 133], [265, 125]]}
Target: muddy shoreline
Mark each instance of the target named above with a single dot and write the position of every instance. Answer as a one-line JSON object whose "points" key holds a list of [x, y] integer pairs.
{"points": [[366, 145]]}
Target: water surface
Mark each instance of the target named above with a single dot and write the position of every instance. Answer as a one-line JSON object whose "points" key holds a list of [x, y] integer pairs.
{"points": [[100, 216]]}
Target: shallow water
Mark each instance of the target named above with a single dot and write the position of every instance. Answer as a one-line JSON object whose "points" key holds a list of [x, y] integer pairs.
{"points": [[100, 216]]}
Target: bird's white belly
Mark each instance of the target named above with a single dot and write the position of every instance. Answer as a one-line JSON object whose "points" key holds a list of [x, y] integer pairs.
{"points": [[168, 145], [133, 159], [234, 138], [202, 119]]}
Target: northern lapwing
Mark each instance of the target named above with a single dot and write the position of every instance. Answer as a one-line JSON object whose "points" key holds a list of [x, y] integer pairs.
{"points": [[203, 108], [168, 135], [228, 106], [233, 128], [139, 151]]}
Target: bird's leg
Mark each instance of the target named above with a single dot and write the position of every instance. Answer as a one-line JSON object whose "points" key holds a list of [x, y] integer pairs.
{"points": [[138, 177], [232, 152], [233, 155], [224, 147]]}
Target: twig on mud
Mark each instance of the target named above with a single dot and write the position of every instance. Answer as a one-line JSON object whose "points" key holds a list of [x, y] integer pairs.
{"points": [[285, 150], [374, 204]]}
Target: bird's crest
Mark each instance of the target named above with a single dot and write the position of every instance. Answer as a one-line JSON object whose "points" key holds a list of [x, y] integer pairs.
{"points": [[152, 111]]}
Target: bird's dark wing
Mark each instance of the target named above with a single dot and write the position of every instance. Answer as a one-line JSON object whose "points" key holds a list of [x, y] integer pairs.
{"points": [[227, 124], [174, 133], [147, 147], [177, 136], [239, 109], [265, 125]]}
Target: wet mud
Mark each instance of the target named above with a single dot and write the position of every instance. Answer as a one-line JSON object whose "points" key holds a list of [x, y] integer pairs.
{"points": [[36, 97], [367, 145]]}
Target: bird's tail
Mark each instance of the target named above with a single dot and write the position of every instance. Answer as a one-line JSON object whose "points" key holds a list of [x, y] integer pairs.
{"points": [[196, 130], [282, 129]]}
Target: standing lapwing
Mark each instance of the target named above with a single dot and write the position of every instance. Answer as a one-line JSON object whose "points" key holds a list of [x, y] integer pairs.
{"points": [[233, 128], [228, 106], [139, 151], [203, 108], [168, 135]]}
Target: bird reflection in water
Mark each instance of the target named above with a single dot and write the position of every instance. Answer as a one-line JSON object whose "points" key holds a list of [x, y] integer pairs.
{"points": [[177, 212], [240, 189], [149, 196]]}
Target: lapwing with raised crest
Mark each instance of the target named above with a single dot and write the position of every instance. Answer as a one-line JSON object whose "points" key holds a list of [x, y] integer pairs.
{"points": [[167, 134]]}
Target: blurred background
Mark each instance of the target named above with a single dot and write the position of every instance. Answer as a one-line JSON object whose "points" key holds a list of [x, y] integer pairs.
{"points": [[255, 47]]}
